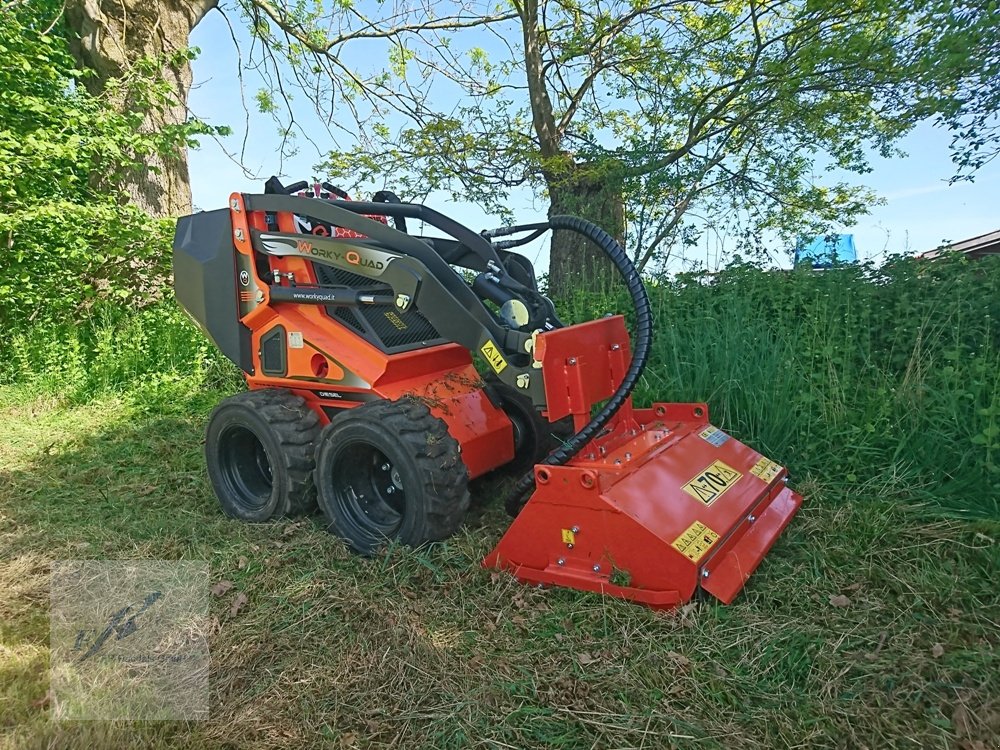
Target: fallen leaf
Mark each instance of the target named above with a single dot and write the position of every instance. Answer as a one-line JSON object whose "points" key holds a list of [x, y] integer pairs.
{"points": [[960, 721], [238, 603], [44, 702], [839, 600], [881, 642], [937, 650], [242, 562], [584, 658], [221, 587], [852, 587], [679, 659]]}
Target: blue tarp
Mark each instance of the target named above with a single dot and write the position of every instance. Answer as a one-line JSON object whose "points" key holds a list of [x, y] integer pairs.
{"points": [[826, 250]]}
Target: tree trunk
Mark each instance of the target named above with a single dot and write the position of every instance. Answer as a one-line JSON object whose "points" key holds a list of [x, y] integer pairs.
{"points": [[574, 262], [111, 35]]}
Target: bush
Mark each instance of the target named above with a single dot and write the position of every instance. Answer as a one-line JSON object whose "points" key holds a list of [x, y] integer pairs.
{"points": [[69, 236]]}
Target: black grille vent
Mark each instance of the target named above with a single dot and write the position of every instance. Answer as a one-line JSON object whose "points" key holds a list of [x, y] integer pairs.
{"points": [[386, 323], [328, 276], [348, 317], [386, 326]]}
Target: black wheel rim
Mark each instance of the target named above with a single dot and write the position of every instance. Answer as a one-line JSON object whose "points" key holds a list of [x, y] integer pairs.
{"points": [[368, 494], [245, 467]]}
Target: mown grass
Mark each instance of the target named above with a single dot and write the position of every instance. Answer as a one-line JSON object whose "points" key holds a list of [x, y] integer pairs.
{"points": [[426, 649]]}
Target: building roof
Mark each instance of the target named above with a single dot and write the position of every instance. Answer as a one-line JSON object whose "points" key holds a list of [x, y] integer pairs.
{"points": [[974, 247]]}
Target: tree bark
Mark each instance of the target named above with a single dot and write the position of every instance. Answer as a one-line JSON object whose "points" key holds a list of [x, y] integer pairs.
{"points": [[576, 263], [110, 36]]}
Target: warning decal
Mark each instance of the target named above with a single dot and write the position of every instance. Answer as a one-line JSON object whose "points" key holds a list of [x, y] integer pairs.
{"points": [[713, 435], [765, 469], [709, 484], [493, 356], [696, 541], [568, 536]]}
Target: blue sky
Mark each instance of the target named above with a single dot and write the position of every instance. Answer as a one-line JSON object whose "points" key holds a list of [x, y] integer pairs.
{"points": [[920, 212]]}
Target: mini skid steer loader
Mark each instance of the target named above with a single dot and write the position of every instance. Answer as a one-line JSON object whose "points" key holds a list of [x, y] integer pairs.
{"points": [[356, 340]]}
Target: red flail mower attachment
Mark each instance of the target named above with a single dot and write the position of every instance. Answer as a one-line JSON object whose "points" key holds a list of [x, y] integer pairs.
{"points": [[658, 504]]}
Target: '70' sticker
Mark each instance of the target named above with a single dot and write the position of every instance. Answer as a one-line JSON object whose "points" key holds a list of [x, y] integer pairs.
{"points": [[709, 485]]}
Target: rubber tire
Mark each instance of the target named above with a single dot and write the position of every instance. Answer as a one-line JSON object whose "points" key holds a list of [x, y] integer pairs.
{"points": [[286, 430], [538, 436], [432, 477]]}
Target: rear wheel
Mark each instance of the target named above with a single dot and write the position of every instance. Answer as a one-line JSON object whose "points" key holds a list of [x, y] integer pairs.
{"points": [[389, 471], [259, 449]]}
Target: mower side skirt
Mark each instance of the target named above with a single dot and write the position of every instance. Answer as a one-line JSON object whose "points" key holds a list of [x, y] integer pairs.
{"points": [[725, 574]]}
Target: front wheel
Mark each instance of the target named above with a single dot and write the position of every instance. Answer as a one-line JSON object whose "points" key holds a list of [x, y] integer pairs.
{"points": [[259, 449], [389, 471]]}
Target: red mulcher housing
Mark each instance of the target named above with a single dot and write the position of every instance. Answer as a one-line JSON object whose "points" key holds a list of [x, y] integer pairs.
{"points": [[356, 340]]}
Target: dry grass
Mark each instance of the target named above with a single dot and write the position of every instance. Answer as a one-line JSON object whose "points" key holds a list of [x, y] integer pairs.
{"points": [[425, 649]]}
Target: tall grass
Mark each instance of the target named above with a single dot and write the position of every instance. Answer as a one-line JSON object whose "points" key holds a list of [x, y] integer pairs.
{"points": [[853, 376], [153, 355]]}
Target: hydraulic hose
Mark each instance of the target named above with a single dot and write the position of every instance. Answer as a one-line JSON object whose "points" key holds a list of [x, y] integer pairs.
{"points": [[640, 352]]}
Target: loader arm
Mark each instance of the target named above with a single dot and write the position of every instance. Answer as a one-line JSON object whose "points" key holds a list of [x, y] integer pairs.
{"points": [[416, 272]]}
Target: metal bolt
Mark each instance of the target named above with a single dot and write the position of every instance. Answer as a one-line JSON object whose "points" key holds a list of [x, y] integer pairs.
{"points": [[603, 450], [569, 546], [597, 568], [239, 234], [561, 561], [618, 461], [751, 518], [615, 347], [571, 361], [575, 529], [590, 456], [234, 204], [402, 301], [628, 456], [385, 467], [390, 489], [704, 574]]}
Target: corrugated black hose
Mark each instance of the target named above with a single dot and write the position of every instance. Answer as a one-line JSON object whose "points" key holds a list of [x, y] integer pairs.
{"points": [[640, 352]]}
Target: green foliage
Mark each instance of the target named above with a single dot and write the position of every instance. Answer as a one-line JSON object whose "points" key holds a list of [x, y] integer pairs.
{"points": [[863, 376], [68, 236], [62, 257], [721, 115], [860, 377], [155, 354]]}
